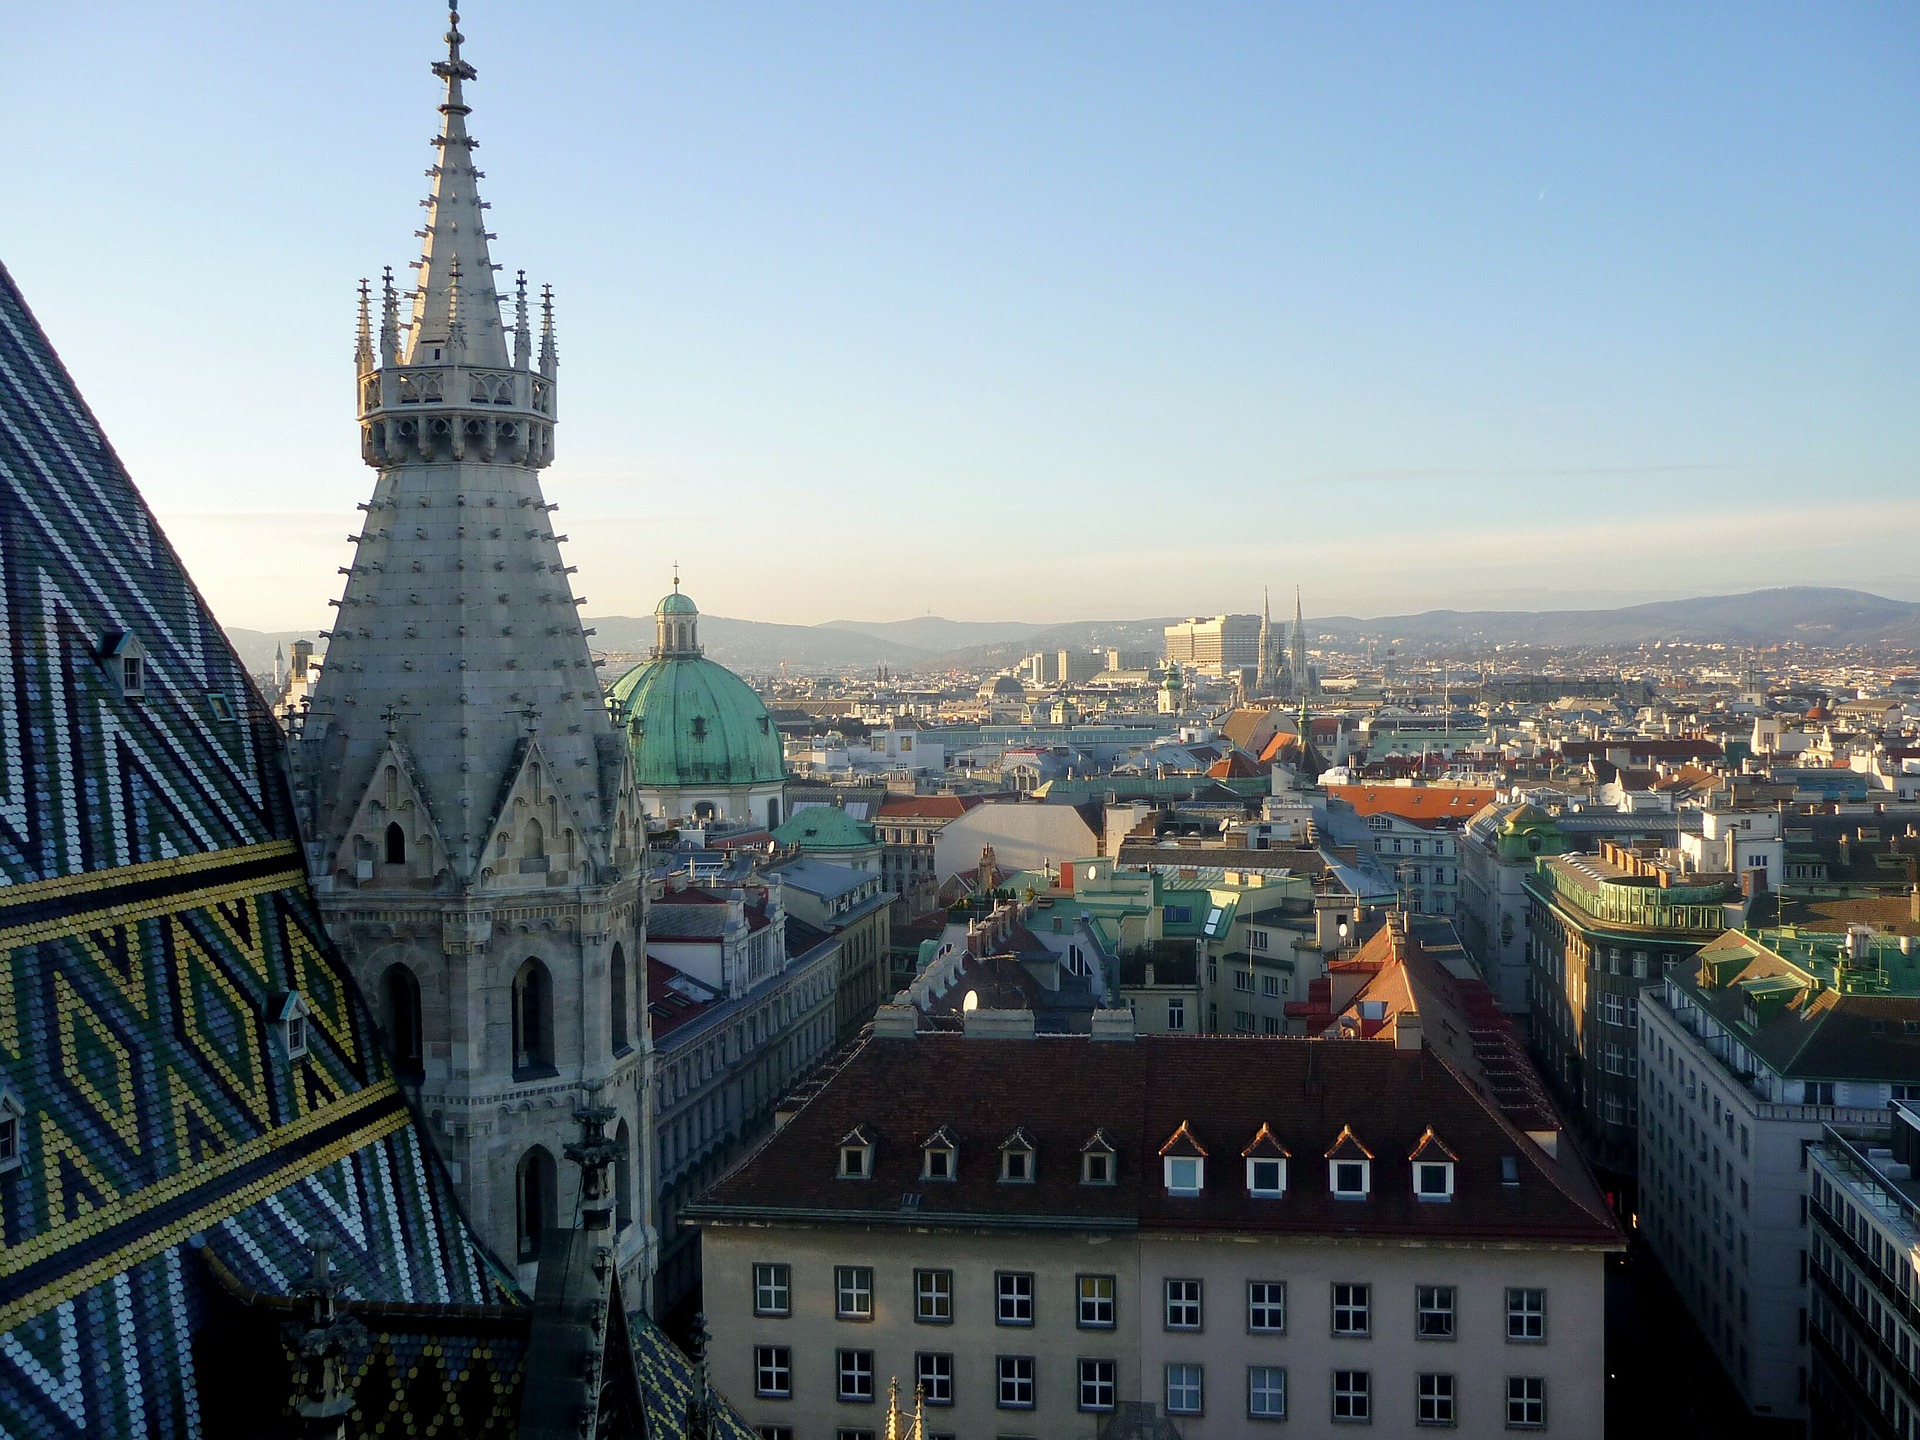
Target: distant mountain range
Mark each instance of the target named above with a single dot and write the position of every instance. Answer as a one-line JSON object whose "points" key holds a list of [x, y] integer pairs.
{"points": [[1812, 615]]}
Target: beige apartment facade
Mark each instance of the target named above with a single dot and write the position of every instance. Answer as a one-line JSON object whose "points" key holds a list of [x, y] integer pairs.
{"points": [[1240, 1232]]}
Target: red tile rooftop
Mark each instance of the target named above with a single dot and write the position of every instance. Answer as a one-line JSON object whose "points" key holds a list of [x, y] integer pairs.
{"points": [[1211, 1095]]}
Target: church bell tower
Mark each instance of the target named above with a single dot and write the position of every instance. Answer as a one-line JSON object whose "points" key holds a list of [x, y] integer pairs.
{"points": [[468, 808]]}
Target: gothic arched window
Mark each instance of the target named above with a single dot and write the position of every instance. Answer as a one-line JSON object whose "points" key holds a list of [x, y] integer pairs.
{"points": [[532, 1019], [396, 845], [622, 1180], [535, 1201], [617, 986], [533, 842], [400, 1014]]}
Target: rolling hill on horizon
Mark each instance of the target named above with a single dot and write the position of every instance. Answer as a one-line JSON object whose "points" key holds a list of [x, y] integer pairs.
{"points": [[1812, 615]]}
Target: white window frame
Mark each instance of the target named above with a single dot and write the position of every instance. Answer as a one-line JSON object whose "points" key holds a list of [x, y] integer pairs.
{"points": [[1422, 1171], [1099, 1388], [772, 1288], [1183, 1304], [1351, 1300], [1013, 1375], [773, 1371], [853, 1284], [1267, 1307], [1435, 1302], [1436, 1399], [1278, 1178], [1172, 1167], [848, 1365], [1526, 1402], [1013, 1295], [1267, 1382], [856, 1162], [1526, 1315], [1356, 1392], [1334, 1177], [935, 1288], [1186, 1388], [930, 1374], [1095, 1311]]}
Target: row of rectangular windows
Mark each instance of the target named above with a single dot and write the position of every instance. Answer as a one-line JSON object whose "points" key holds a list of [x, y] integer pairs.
{"points": [[1351, 1304], [1016, 1380]]}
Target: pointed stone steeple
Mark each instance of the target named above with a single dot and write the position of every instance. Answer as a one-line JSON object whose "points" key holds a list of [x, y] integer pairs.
{"points": [[455, 237], [1297, 649], [469, 811]]}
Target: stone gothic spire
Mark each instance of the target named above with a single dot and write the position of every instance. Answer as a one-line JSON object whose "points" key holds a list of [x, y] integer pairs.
{"points": [[454, 241], [470, 819], [458, 637]]}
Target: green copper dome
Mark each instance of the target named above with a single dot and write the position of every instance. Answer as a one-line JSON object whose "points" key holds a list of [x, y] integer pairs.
{"points": [[689, 720], [676, 604]]}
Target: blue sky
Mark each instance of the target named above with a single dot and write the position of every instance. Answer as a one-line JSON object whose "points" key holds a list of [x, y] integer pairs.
{"points": [[1028, 311]]}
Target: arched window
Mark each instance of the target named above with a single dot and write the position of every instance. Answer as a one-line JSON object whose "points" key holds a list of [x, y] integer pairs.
{"points": [[396, 845], [534, 842], [535, 1201], [773, 814], [532, 1020], [617, 984], [704, 812], [622, 1180], [400, 1014]]}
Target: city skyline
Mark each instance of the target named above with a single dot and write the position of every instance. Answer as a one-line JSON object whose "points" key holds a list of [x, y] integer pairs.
{"points": [[1599, 311]]}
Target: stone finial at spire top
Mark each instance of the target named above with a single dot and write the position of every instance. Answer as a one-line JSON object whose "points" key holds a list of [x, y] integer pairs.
{"points": [[389, 319], [363, 340], [549, 351], [456, 231], [522, 331]]}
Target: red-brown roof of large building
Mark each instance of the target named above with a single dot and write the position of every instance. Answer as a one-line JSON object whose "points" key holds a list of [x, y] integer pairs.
{"points": [[927, 807], [1416, 802], [1223, 1089]]}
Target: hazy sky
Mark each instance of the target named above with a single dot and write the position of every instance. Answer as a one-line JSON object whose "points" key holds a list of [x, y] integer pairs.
{"points": [[1027, 311]]}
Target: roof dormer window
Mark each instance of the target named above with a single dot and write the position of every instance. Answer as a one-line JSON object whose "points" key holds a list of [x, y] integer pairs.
{"points": [[1183, 1163], [1433, 1166], [126, 659], [1016, 1159], [1266, 1161], [939, 1155], [1349, 1167], [290, 1014], [856, 1155], [1099, 1161], [13, 1115]]}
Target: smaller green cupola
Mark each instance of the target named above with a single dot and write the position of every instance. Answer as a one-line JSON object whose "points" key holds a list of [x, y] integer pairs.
{"points": [[676, 625]]}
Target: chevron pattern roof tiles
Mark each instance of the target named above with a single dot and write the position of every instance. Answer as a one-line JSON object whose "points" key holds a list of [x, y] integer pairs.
{"points": [[152, 910]]}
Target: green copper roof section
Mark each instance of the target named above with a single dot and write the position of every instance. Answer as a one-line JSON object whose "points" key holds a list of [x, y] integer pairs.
{"points": [[676, 604], [692, 721], [824, 827]]}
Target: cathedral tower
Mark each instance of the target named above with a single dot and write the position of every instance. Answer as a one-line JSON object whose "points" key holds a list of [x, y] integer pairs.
{"points": [[468, 807], [1298, 678]]}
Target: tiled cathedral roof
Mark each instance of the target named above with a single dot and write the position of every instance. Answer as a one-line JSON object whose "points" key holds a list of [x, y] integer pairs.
{"points": [[173, 1158]]}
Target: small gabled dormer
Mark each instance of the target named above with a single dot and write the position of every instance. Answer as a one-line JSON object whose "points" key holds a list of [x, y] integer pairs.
{"points": [[1099, 1161], [1433, 1166], [1266, 1161], [126, 661], [1016, 1159], [1183, 1163], [940, 1156], [13, 1126], [856, 1155], [289, 1014], [1349, 1167]]}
